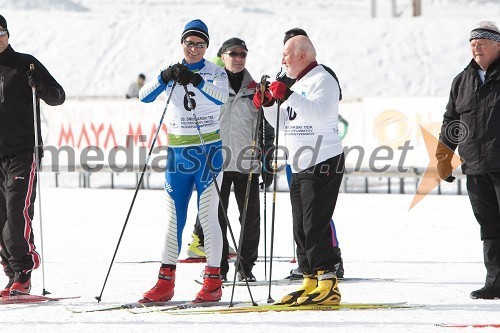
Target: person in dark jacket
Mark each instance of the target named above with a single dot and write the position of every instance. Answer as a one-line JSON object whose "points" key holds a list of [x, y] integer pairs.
{"points": [[17, 158], [471, 123], [238, 119]]}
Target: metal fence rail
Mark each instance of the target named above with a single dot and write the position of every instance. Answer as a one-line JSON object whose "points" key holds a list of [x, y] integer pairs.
{"points": [[354, 181]]}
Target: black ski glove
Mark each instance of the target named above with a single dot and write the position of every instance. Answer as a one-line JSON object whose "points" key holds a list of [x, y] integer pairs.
{"points": [[171, 72], [35, 80], [185, 77]]}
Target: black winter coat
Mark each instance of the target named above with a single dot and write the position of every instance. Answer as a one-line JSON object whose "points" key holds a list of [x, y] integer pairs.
{"points": [[17, 133], [472, 119]]}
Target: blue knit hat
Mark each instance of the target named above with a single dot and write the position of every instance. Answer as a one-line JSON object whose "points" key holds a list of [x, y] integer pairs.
{"points": [[196, 28]]}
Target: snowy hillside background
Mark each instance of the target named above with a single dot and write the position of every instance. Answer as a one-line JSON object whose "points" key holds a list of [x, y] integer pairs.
{"points": [[97, 47]]}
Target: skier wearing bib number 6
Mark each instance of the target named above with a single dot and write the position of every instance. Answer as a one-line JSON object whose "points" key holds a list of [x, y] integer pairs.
{"points": [[197, 88]]}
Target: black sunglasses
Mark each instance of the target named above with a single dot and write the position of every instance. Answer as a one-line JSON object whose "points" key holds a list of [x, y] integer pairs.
{"points": [[237, 54], [199, 45]]}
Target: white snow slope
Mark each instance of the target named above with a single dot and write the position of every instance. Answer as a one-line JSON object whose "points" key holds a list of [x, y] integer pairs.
{"points": [[98, 47], [433, 252]]}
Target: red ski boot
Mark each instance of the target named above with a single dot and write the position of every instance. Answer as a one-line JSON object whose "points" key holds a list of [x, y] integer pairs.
{"points": [[211, 291], [21, 285], [6, 291], [164, 289]]}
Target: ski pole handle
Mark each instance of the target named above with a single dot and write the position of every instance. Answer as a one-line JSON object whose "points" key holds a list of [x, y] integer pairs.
{"points": [[262, 86], [33, 88], [280, 75]]}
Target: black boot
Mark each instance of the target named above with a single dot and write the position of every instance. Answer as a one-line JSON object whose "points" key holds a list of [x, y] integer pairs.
{"points": [[486, 293], [295, 274], [491, 289], [339, 263], [248, 275]]}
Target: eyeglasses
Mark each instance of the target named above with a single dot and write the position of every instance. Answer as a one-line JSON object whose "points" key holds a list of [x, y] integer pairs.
{"points": [[199, 45], [237, 54], [3, 32]]}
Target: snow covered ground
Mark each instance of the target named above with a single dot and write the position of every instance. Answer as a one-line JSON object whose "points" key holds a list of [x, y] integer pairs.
{"points": [[433, 252], [97, 48]]}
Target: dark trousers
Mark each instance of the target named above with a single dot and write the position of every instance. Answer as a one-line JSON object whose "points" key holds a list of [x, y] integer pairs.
{"points": [[251, 231], [313, 194], [17, 197], [484, 195]]}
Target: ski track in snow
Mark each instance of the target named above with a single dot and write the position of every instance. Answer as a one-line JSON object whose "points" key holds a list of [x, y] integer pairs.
{"points": [[433, 252]]}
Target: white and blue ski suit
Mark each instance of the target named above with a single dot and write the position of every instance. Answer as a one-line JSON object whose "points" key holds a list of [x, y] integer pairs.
{"points": [[186, 161]]}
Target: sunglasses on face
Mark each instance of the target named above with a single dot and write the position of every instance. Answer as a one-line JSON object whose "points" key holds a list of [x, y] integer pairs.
{"points": [[3, 32], [199, 45], [237, 54]]}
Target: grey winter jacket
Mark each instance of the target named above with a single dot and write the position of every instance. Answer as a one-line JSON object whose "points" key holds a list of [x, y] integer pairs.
{"points": [[238, 117]]}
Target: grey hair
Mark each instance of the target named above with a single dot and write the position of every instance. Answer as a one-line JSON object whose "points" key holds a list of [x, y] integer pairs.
{"points": [[305, 45]]}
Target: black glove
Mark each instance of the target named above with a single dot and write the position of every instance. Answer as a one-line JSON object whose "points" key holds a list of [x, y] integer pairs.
{"points": [[35, 80], [267, 169], [185, 77], [171, 72], [444, 156]]}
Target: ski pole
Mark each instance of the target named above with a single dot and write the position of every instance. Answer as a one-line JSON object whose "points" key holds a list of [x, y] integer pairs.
{"points": [[38, 182], [265, 201], [265, 192], [139, 182], [275, 189], [262, 88], [216, 184]]}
